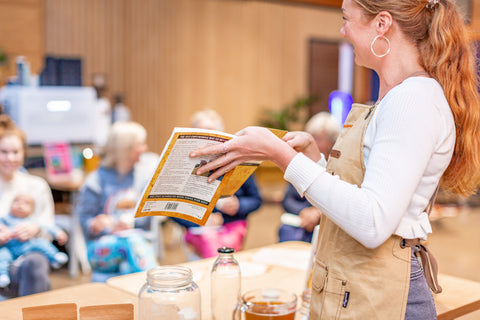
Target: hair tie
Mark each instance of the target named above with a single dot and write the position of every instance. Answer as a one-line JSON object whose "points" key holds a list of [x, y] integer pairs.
{"points": [[431, 4]]}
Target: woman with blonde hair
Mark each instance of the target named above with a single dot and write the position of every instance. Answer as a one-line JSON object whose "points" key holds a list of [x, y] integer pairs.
{"points": [[386, 163], [106, 201]]}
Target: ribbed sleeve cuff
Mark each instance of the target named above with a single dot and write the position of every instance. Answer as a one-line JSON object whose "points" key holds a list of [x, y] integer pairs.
{"points": [[301, 172]]}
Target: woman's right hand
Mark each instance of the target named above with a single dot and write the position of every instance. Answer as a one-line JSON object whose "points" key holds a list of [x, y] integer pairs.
{"points": [[310, 217], [214, 220], [100, 223], [61, 237]]}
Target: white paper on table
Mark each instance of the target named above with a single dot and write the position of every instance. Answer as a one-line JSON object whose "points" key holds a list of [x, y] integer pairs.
{"points": [[251, 269], [197, 276], [288, 258]]}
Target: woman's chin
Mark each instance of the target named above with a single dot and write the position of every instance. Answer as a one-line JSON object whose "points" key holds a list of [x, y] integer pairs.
{"points": [[7, 172]]}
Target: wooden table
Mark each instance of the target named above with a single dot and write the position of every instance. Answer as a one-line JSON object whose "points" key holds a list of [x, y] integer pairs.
{"points": [[263, 267], [274, 276], [83, 295], [459, 296]]}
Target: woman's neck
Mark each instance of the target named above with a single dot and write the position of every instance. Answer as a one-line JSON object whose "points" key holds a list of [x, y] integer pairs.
{"points": [[400, 64], [388, 82]]}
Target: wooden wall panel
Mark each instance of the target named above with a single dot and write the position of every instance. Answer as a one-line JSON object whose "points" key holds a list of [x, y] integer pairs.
{"points": [[91, 30], [22, 32], [172, 58]]}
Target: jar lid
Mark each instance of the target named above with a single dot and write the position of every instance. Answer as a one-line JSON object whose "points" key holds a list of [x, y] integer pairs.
{"points": [[225, 250]]}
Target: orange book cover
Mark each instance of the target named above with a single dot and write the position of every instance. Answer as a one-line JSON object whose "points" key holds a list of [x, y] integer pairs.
{"points": [[176, 190]]}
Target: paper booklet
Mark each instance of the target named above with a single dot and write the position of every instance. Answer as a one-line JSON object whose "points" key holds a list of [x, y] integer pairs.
{"points": [[175, 190]]}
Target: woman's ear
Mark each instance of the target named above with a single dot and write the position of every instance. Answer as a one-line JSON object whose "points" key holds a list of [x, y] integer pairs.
{"points": [[383, 22]]}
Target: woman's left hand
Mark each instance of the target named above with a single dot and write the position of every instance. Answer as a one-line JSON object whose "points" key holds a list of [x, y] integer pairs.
{"points": [[251, 143], [303, 142], [121, 225], [25, 231]]}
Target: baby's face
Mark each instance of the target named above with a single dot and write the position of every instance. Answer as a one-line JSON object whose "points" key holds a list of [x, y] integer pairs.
{"points": [[22, 206]]}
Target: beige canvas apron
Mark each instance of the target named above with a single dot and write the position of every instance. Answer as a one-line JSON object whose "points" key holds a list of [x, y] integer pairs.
{"points": [[349, 280]]}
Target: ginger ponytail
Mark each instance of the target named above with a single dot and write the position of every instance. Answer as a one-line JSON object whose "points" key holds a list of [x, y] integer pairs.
{"points": [[447, 54]]}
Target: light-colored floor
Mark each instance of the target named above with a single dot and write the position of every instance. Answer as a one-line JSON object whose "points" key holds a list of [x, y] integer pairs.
{"points": [[455, 242]]}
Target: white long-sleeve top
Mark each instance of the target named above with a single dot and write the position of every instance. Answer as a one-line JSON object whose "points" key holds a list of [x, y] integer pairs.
{"points": [[407, 147]]}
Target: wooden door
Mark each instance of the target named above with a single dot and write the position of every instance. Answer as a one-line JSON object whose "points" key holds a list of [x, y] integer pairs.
{"points": [[323, 72]]}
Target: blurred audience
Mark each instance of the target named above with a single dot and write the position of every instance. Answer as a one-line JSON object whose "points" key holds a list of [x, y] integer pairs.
{"points": [[30, 272], [105, 205], [301, 217], [227, 225]]}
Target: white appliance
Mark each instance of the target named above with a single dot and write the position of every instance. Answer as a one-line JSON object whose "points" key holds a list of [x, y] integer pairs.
{"points": [[52, 113]]}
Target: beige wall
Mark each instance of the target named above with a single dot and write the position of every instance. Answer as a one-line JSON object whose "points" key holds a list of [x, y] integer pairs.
{"points": [[173, 57]]}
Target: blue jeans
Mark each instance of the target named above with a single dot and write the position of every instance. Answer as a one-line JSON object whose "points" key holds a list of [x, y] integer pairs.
{"points": [[420, 304], [29, 274]]}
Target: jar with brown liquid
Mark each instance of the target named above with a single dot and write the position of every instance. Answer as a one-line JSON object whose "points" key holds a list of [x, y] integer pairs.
{"points": [[266, 304]]}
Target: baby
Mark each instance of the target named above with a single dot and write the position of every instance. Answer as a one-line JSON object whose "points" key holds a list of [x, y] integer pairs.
{"points": [[22, 206]]}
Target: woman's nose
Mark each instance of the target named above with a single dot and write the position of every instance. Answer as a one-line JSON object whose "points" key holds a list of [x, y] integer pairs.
{"points": [[11, 156]]}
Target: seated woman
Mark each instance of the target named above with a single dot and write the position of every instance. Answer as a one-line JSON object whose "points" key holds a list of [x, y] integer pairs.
{"points": [[301, 217], [29, 273], [105, 204], [226, 226]]}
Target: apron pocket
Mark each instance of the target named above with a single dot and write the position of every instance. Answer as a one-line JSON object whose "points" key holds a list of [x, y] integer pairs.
{"points": [[319, 277], [329, 294]]}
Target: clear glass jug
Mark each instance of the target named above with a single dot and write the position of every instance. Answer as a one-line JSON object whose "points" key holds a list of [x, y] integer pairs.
{"points": [[225, 284]]}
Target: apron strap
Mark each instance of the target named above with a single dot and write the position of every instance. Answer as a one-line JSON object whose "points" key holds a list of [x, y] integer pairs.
{"points": [[429, 263], [430, 269]]}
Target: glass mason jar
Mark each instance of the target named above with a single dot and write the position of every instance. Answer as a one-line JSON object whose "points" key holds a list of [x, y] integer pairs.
{"points": [[169, 293]]}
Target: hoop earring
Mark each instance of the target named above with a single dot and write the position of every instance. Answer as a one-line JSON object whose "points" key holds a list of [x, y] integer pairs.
{"points": [[373, 42]]}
